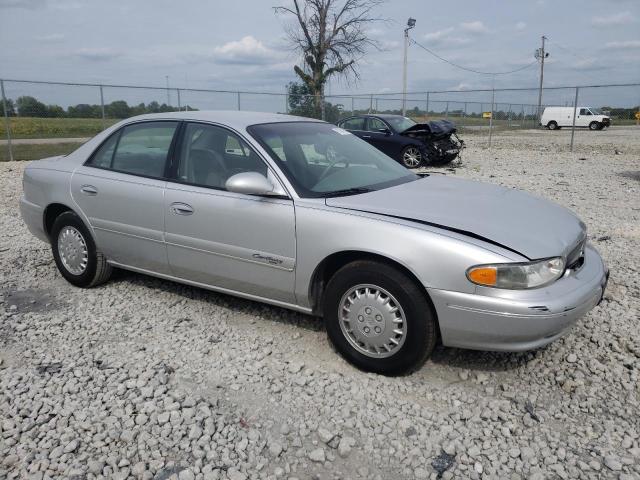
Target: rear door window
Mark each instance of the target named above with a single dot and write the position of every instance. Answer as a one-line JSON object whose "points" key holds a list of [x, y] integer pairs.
{"points": [[353, 124], [139, 149]]}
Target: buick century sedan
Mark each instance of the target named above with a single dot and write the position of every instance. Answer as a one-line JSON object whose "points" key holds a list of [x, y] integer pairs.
{"points": [[304, 215]]}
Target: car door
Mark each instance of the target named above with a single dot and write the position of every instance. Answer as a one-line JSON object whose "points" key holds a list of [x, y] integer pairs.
{"points": [[583, 118], [228, 240], [357, 126], [385, 141], [120, 190]]}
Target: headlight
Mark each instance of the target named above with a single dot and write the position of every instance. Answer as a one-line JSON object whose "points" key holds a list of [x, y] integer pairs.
{"points": [[517, 275]]}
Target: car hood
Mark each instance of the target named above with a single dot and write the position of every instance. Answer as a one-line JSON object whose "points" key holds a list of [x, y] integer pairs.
{"points": [[436, 127], [528, 225]]}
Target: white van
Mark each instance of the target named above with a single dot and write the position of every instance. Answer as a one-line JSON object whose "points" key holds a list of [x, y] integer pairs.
{"points": [[558, 117]]}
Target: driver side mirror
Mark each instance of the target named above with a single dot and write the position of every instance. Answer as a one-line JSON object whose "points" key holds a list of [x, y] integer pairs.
{"points": [[249, 183]]}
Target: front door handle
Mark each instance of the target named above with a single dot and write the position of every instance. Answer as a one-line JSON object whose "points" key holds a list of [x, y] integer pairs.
{"points": [[366, 136], [180, 208], [89, 190]]}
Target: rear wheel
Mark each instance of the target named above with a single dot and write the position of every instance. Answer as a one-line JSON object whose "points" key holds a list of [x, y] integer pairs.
{"points": [[594, 126], [411, 156], [378, 318], [75, 252], [552, 125]]}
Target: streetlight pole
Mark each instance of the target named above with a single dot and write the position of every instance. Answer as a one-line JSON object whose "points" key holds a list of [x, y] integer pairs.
{"points": [[541, 54], [410, 24]]}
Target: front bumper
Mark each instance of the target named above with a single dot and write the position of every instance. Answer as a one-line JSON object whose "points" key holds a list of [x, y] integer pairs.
{"points": [[518, 320]]}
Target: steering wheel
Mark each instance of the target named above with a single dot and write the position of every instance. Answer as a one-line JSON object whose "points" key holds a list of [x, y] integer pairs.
{"points": [[332, 157]]}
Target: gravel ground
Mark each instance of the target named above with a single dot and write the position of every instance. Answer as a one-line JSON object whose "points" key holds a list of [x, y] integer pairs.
{"points": [[144, 378]]}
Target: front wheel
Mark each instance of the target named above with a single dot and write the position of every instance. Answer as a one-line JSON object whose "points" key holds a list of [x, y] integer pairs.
{"points": [[378, 318], [552, 125], [411, 156], [75, 252], [594, 126]]}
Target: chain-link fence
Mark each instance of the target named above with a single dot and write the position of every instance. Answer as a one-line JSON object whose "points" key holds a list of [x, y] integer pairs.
{"points": [[48, 118]]}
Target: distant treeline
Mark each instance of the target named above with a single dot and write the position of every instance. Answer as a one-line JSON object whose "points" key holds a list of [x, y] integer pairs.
{"points": [[31, 107]]}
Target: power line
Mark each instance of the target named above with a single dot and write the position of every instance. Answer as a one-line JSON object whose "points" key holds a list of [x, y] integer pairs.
{"points": [[470, 69]]}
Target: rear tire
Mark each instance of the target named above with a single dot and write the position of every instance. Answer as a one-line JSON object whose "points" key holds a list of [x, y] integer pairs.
{"points": [[595, 126], [552, 125], [75, 253], [382, 301]]}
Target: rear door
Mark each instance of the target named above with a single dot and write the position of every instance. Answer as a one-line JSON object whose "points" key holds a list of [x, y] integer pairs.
{"points": [[120, 190], [238, 242], [357, 126]]}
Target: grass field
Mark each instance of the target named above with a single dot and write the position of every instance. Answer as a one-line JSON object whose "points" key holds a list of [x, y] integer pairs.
{"points": [[37, 151], [31, 127]]}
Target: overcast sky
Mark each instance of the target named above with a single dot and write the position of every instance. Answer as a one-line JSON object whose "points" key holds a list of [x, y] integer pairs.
{"points": [[240, 44]]}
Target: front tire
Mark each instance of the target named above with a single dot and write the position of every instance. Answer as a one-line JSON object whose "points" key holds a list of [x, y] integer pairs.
{"points": [[378, 318], [75, 252], [594, 126], [552, 125], [411, 156]]}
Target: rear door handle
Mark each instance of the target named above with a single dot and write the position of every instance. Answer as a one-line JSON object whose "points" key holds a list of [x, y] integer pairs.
{"points": [[89, 190], [366, 136], [180, 208]]}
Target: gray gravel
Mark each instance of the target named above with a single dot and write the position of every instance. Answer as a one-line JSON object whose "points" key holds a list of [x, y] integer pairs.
{"points": [[144, 378]]}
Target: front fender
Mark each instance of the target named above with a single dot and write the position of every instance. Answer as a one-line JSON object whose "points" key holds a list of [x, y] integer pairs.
{"points": [[437, 258]]}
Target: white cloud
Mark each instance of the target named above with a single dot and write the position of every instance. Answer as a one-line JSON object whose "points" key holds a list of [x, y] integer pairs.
{"points": [[97, 54], [444, 37], [623, 45], [246, 51], [521, 26], [615, 19], [588, 65], [476, 27]]}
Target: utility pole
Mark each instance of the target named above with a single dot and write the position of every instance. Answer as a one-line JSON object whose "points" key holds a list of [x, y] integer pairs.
{"points": [[410, 24], [541, 54]]}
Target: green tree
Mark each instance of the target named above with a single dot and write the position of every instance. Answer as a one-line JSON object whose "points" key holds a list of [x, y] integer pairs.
{"points": [[11, 109], [54, 111], [30, 107], [118, 109]]}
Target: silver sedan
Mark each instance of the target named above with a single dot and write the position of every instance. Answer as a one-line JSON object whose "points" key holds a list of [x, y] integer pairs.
{"points": [[304, 215]]}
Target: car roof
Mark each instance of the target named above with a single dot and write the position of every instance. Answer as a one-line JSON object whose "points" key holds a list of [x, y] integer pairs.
{"points": [[239, 120]]}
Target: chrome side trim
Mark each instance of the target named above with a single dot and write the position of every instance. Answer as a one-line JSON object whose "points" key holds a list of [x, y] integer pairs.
{"points": [[213, 288]]}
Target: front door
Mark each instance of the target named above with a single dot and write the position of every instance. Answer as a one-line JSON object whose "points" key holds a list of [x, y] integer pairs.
{"points": [[120, 190], [233, 241], [380, 136]]}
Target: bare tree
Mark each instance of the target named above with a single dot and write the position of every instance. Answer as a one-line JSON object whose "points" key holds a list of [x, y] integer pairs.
{"points": [[331, 36]]}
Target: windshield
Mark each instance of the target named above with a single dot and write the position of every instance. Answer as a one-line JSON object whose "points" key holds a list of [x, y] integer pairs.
{"points": [[400, 124], [596, 111], [322, 160]]}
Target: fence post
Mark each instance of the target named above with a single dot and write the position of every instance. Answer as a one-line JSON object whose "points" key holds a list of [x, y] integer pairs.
{"points": [[179, 100], [573, 123], [426, 114], [493, 99], [509, 117], [353, 111], [104, 124], [238, 100], [446, 112], [286, 103], [6, 121], [370, 103]]}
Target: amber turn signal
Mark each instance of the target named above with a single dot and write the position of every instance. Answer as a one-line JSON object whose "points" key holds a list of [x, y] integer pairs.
{"points": [[483, 275]]}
